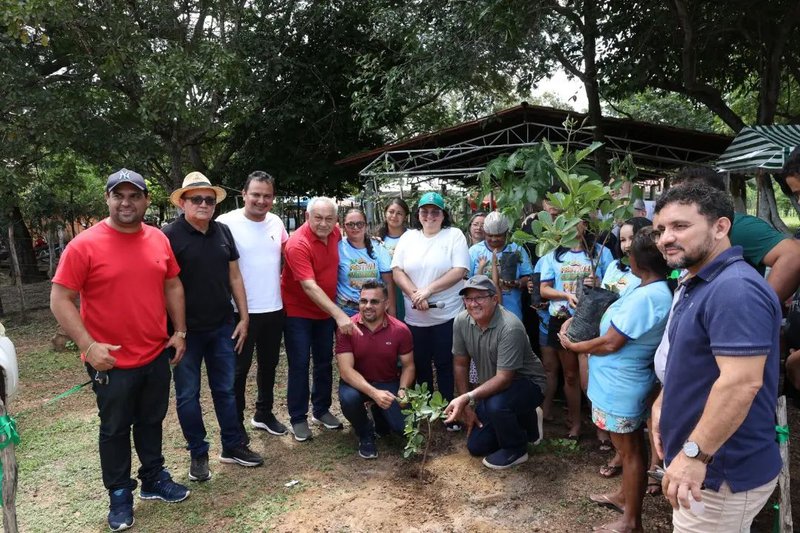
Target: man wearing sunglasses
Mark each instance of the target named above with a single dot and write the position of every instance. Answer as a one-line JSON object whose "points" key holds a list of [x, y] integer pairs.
{"points": [[500, 414], [207, 255], [369, 371]]}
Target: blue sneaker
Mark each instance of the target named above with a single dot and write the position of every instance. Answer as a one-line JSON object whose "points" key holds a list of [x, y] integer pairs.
{"points": [[163, 488], [367, 449], [120, 513], [502, 459]]}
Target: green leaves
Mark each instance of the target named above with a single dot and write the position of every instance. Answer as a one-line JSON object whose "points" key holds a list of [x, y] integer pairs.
{"points": [[422, 407]]}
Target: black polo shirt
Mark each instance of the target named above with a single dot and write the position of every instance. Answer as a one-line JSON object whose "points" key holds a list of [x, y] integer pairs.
{"points": [[204, 260]]}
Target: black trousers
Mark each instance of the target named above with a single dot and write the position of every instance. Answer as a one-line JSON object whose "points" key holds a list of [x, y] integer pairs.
{"points": [[264, 336], [137, 398]]}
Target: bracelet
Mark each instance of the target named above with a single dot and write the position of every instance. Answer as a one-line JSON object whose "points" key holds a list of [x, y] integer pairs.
{"points": [[86, 351]]}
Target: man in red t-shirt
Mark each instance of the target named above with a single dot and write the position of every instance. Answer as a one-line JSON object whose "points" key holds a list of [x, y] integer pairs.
{"points": [[127, 278], [308, 287], [368, 367]]}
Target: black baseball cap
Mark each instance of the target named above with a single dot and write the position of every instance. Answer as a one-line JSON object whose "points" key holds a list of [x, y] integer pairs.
{"points": [[124, 175]]}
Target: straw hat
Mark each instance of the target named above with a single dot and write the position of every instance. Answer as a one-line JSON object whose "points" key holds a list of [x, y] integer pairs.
{"points": [[195, 180]]}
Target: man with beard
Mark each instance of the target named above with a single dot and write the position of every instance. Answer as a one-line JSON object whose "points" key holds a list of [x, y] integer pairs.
{"points": [[368, 365], [127, 278], [713, 422]]}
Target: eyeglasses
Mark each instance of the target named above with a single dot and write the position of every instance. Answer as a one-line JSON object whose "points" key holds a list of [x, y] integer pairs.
{"points": [[433, 213], [197, 200], [476, 299], [364, 301], [355, 225]]}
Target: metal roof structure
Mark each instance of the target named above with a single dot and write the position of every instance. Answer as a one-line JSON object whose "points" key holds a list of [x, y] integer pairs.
{"points": [[760, 147], [462, 151]]}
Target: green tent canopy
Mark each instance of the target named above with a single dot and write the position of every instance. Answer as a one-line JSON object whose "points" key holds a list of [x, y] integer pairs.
{"points": [[760, 147]]}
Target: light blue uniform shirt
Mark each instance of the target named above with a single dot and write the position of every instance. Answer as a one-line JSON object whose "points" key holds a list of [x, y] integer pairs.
{"points": [[512, 298], [619, 281], [620, 383], [356, 267], [569, 272]]}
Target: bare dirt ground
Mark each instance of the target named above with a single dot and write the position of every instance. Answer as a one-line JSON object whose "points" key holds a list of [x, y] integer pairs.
{"points": [[330, 489]]}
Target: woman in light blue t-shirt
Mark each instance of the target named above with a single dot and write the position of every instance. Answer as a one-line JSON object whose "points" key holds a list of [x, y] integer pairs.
{"points": [[361, 258], [621, 374], [395, 224]]}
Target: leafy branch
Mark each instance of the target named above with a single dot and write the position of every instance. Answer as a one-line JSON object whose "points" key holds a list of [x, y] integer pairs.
{"points": [[422, 410]]}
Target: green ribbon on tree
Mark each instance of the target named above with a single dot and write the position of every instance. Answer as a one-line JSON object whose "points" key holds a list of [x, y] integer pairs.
{"points": [[675, 274], [782, 434], [8, 434], [776, 527]]}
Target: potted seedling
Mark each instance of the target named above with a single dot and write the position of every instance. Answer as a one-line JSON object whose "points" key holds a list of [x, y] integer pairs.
{"points": [[587, 206], [421, 411]]}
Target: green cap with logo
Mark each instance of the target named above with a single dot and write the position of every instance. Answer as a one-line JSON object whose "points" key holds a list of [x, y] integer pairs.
{"points": [[431, 198]]}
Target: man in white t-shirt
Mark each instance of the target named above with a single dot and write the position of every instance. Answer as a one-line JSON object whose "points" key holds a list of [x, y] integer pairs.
{"points": [[260, 236]]}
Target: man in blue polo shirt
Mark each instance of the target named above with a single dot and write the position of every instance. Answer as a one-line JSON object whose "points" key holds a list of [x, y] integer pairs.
{"points": [[714, 421]]}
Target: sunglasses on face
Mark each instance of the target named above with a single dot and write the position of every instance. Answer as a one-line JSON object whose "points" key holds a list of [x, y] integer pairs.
{"points": [[434, 213], [364, 301], [198, 200], [354, 225]]}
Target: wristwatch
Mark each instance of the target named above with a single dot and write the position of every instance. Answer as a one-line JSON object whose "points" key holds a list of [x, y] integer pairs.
{"points": [[692, 450], [471, 399], [180, 334]]}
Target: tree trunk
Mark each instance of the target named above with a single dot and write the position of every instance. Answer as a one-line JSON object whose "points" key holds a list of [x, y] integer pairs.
{"points": [[15, 273], [591, 86], [23, 244], [738, 190], [767, 207]]}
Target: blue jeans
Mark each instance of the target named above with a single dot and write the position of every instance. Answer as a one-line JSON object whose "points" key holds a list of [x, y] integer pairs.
{"points": [[215, 347], [434, 345], [137, 399], [308, 340], [509, 419], [352, 401]]}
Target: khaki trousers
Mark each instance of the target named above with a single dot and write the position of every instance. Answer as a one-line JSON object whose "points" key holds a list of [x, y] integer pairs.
{"points": [[725, 511]]}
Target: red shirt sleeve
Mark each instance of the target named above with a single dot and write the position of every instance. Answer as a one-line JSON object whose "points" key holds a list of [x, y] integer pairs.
{"points": [[298, 259], [406, 340], [344, 343], [72, 268]]}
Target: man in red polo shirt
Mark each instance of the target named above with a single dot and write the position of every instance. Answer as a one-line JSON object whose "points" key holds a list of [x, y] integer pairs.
{"points": [[368, 367], [308, 287]]}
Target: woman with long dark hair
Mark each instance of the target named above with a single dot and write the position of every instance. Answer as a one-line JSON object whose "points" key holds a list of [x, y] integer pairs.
{"points": [[395, 223], [361, 258], [621, 373]]}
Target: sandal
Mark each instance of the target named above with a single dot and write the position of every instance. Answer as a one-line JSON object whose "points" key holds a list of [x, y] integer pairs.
{"points": [[603, 501], [605, 446], [609, 471], [653, 488]]}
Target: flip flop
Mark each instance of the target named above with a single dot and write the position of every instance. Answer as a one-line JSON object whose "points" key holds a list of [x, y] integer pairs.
{"points": [[653, 488], [605, 446], [603, 501], [609, 471]]}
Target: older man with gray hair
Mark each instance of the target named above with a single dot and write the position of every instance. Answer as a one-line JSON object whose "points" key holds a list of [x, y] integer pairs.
{"points": [[308, 286]]}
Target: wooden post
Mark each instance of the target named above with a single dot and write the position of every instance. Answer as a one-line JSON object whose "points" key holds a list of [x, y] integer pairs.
{"points": [[16, 272], [784, 477], [9, 459]]}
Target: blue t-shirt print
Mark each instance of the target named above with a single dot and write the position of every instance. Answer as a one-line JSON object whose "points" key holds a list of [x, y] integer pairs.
{"points": [[356, 266], [566, 274]]}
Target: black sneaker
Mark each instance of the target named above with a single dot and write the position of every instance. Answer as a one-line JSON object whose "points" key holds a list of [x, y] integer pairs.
{"points": [[241, 455], [502, 459], [269, 424], [120, 510], [367, 449], [164, 489], [198, 471]]}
